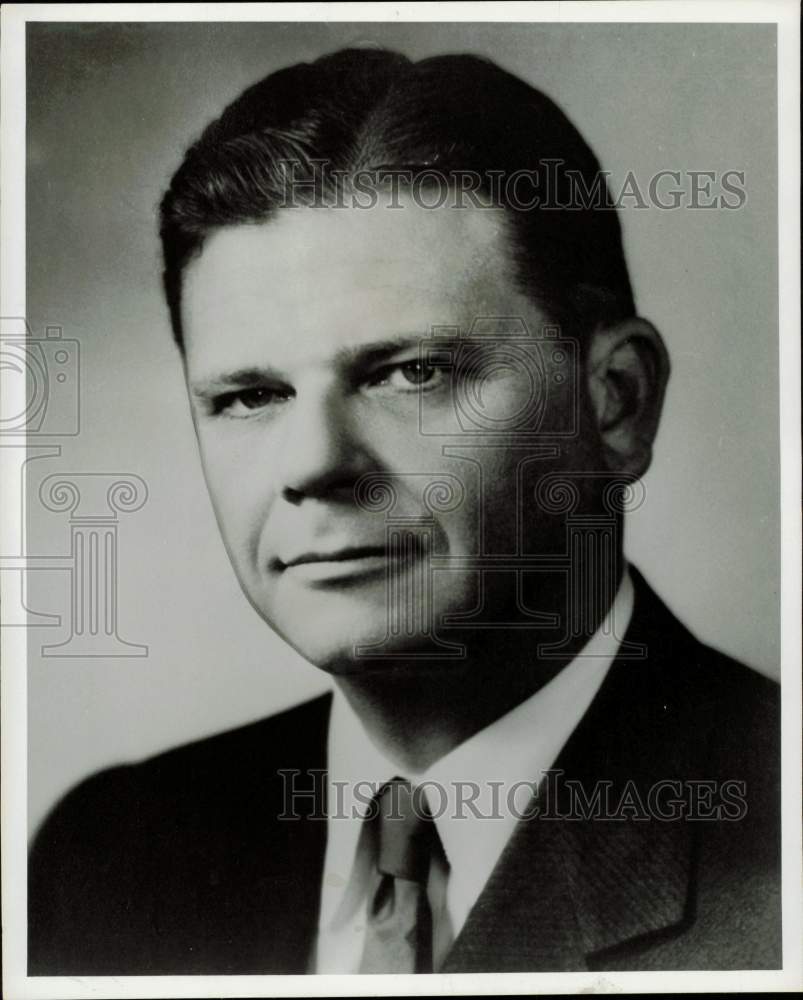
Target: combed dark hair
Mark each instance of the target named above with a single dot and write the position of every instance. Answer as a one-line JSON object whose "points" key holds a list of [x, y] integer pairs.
{"points": [[373, 109]]}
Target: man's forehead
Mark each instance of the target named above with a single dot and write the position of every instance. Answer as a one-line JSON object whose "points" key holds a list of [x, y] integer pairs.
{"points": [[409, 244], [320, 280]]}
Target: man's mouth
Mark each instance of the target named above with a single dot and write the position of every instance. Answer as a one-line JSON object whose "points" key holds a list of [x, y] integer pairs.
{"points": [[338, 555], [343, 564]]}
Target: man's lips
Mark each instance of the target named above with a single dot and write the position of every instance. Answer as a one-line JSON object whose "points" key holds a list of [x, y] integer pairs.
{"points": [[347, 554], [344, 565]]}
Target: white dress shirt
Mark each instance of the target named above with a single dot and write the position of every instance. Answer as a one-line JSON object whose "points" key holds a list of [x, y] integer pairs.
{"points": [[504, 761]]}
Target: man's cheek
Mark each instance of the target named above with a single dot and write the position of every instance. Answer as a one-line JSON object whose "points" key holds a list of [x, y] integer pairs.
{"points": [[240, 519]]}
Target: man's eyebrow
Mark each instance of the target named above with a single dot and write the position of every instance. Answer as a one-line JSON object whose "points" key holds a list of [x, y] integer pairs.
{"points": [[240, 378], [356, 357], [364, 355]]}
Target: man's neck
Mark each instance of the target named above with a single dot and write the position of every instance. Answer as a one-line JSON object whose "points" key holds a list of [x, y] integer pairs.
{"points": [[415, 712], [415, 716]]}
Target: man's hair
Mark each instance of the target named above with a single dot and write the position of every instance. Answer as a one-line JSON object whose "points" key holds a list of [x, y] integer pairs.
{"points": [[360, 110]]}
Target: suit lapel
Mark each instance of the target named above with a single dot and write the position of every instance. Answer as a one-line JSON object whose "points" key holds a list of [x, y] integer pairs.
{"points": [[524, 920], [588, 880], [632, 873]]}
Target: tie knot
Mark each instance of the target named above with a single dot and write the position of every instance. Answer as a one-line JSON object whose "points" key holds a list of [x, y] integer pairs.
{"points": [[406, 831]]}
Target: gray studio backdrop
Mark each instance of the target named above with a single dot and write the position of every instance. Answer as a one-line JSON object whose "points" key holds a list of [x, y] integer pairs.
{"points": [[110, 110]]}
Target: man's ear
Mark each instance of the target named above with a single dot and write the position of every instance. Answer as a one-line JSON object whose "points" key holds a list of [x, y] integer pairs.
{"points": [[627, 372]]}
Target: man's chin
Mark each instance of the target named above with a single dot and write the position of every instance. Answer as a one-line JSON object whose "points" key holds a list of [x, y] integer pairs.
{"points": [[344, 633], [359, 651], [356, 656]]}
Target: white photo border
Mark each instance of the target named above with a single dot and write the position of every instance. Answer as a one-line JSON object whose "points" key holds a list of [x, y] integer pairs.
{"points": [[785, 14]]}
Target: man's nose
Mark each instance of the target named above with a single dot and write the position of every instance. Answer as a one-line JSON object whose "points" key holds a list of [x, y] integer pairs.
{"points": [[322, 454]]}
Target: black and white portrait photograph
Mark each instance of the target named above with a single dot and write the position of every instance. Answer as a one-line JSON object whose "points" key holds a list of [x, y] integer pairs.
{"points": [[401, 499]]}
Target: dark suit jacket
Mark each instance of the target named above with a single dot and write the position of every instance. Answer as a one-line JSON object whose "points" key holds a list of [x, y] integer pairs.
{"points": [[179, 865]]}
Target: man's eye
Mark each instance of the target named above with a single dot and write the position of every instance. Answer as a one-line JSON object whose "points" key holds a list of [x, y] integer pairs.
{"points": [[409, 375], [244, 402]]}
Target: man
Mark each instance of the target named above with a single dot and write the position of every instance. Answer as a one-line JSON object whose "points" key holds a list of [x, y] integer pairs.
{"points": [[423, 400]]}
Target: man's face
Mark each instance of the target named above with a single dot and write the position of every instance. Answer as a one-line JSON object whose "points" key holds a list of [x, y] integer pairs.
{"points": [[303, 360]]}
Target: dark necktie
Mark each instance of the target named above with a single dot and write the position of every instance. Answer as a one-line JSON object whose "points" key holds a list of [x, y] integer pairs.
{"points": [[398, 934]]}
